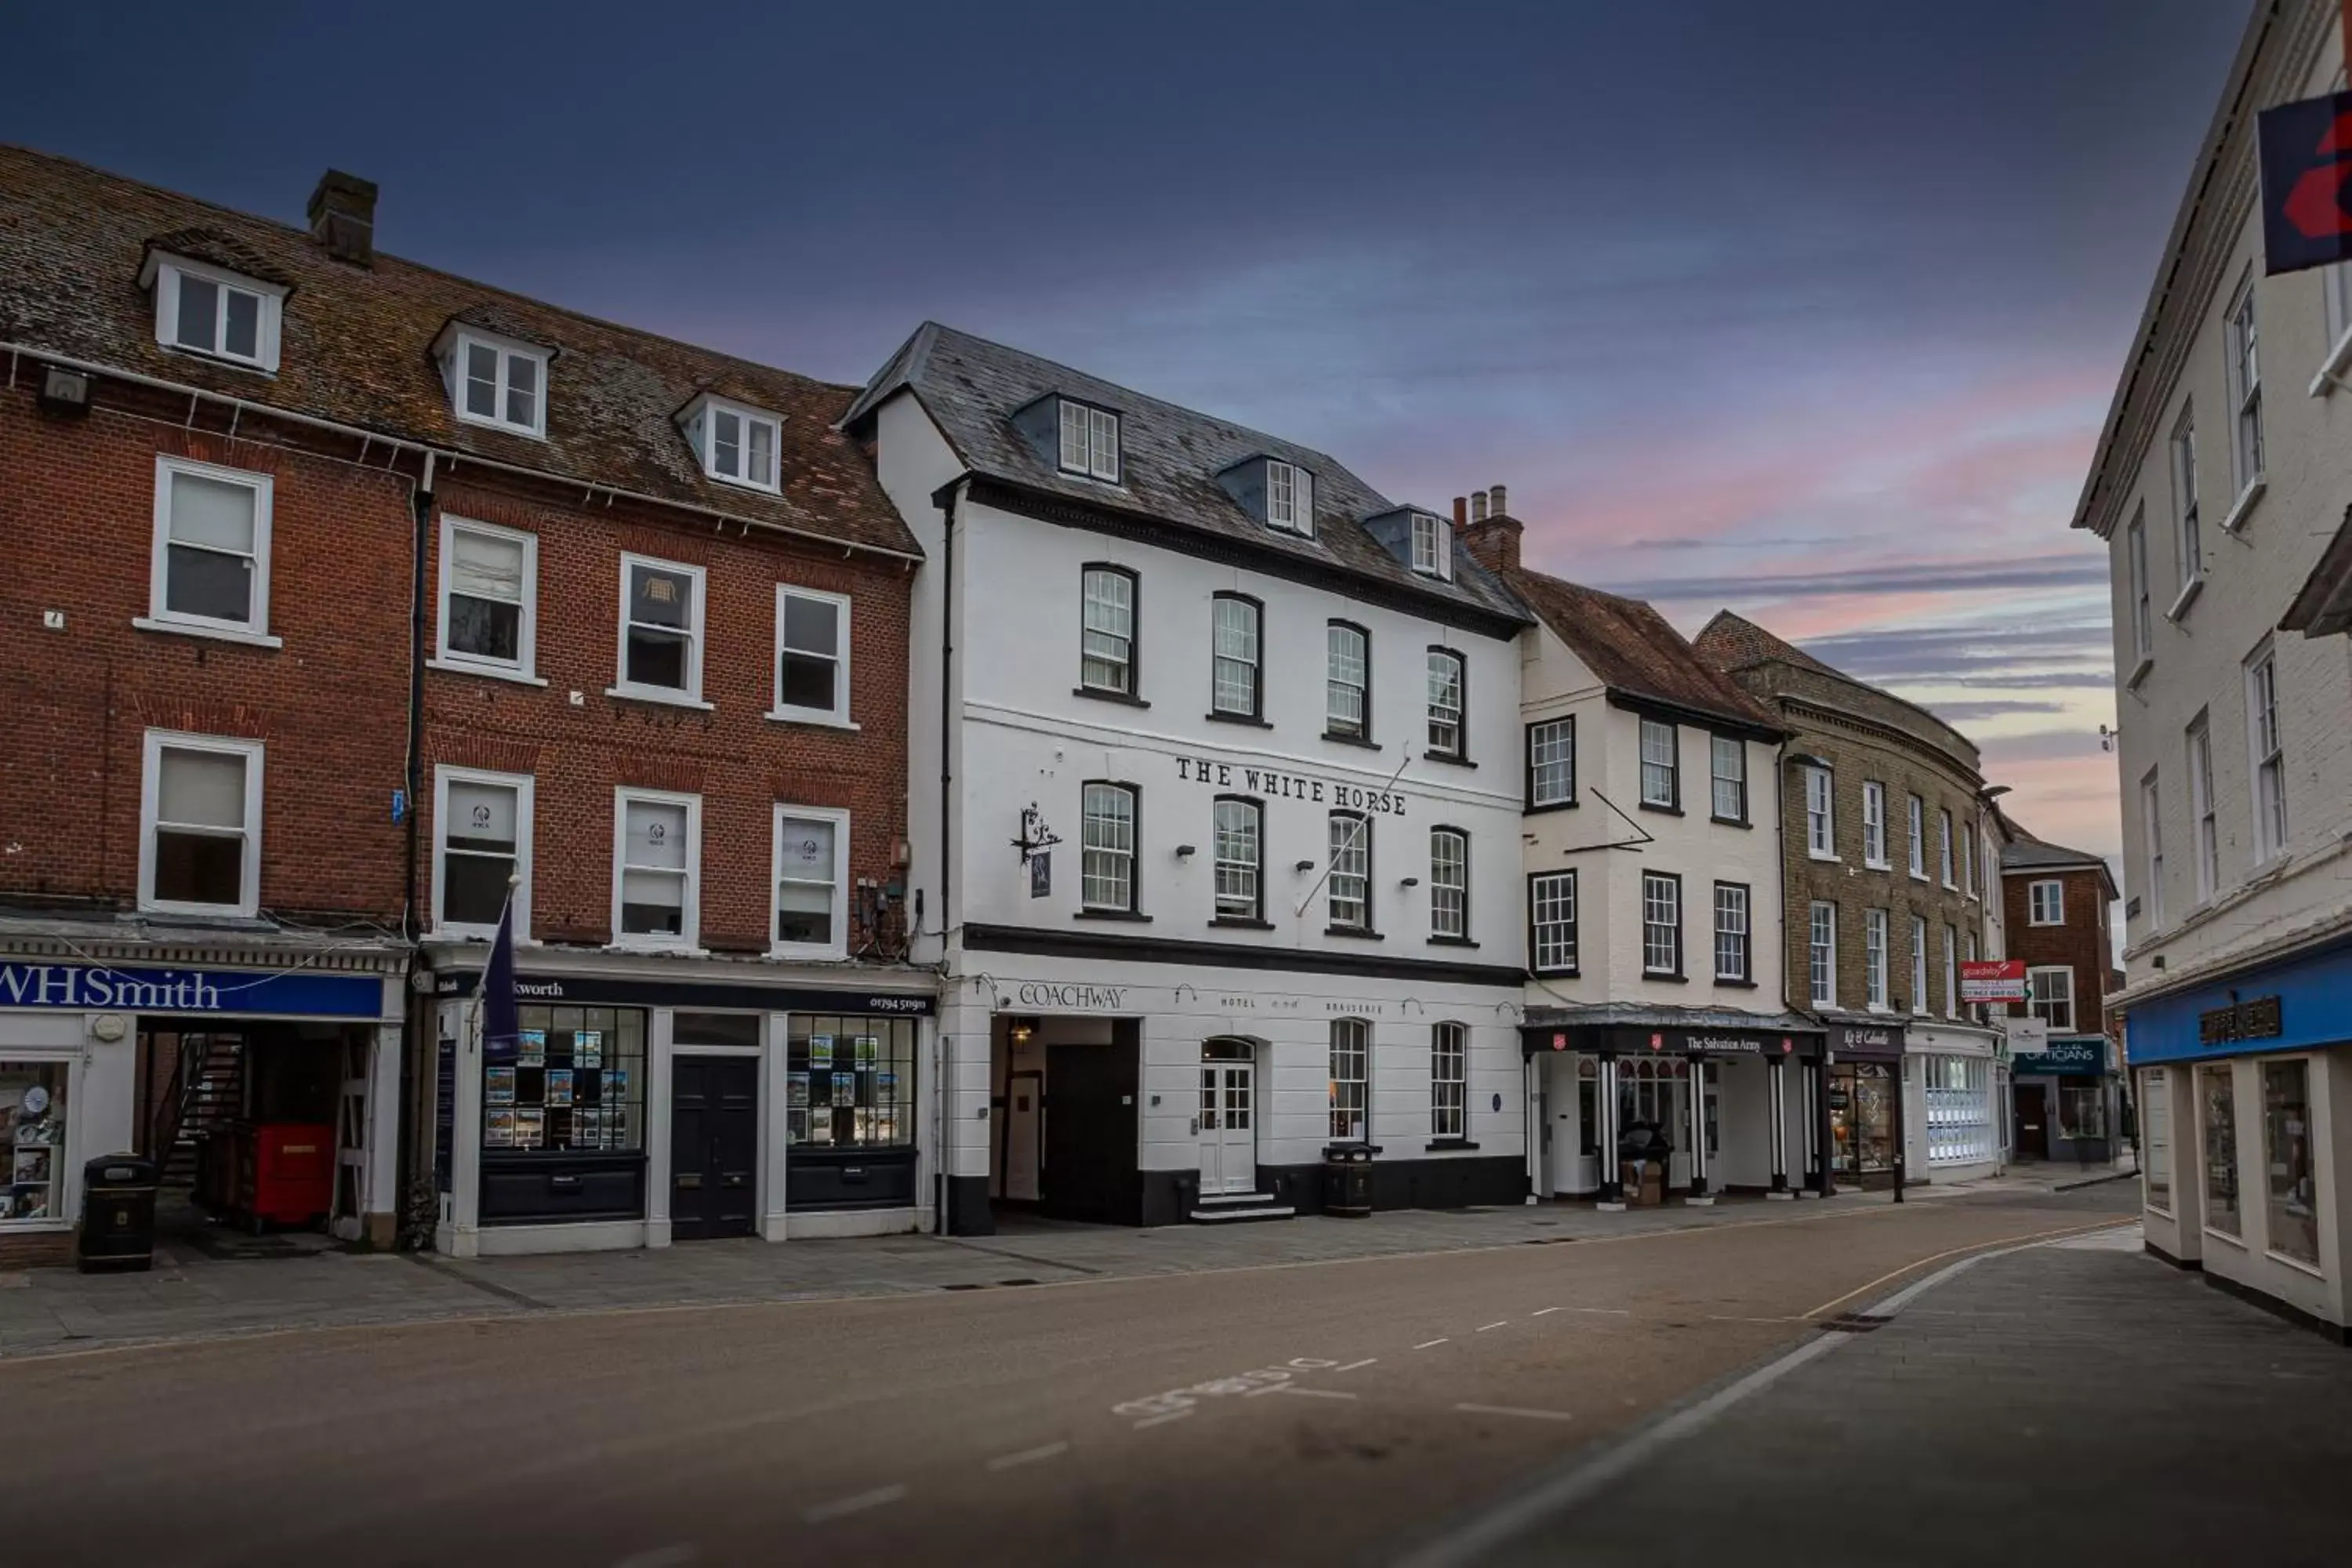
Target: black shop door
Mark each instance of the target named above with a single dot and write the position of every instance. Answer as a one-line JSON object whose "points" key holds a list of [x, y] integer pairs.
{"points": [[714, 1146], [2032, 1120], [1091, 1133]]}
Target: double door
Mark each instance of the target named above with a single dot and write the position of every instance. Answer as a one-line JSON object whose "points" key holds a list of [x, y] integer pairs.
{"points": [[1228, 1129], [714, 1146]]}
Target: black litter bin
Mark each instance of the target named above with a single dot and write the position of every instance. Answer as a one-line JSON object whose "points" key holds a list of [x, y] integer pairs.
{"points": [[1348, 1180], [118, 1213]]}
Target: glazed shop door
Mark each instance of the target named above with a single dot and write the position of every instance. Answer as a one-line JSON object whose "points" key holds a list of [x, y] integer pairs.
{"points": [[714, 1146], [1228, 1128]]}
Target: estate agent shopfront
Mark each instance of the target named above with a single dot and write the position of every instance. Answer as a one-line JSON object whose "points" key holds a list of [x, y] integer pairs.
{"points": [[638, 1107], [298, 1036]]}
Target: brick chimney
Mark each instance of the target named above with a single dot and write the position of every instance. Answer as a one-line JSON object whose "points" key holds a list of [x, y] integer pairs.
{"points": [[1492, 536], [342, 216]]}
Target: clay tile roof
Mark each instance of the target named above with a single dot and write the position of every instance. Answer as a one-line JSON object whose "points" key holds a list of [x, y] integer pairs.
{"points": [[1734, 642], [1634, 650], [357, 350]]}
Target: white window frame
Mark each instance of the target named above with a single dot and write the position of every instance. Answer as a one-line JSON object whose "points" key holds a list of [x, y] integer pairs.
{"points": [[1351, 1048], [1449, 1081], [1734, 904], [1951, 972], [159, 619], [1560, 734], [1250, 826], [1454, 926], [839, 946], [2244, 328], [1556, 890], [268, 324], [707, 429], [1918, 825], [1246, 654], [837, 715], [525, 787], [2151, 811], [1821, 952], [689, 937], [1944, 848], [1433, 546], [2046, 1006], [1874, 826], [524, 666], [1820, 814], [1969, 859], [1671, 767], [1875, 965], [2187, 543], [1132, 581], [1719, 748], [1355, 871], [2266, 756], [151, 779], [2204, 822], [622, 685], [2054, 887], [1443, 717], [1921, 1002], [1672, 904], [1295, 487], [2142, 618], [507, 351], [1359, 728], [1094, 434], [1132, 855]]}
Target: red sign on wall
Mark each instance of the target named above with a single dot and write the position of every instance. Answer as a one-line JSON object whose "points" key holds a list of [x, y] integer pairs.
{"points": [[1993, 980]]}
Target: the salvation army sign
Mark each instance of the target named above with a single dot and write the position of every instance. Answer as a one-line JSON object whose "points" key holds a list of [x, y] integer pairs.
{"points": [[1993, 980], [2307, 161]]}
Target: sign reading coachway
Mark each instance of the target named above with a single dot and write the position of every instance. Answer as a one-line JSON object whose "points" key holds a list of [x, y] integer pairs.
{"points": [[77, 986]]}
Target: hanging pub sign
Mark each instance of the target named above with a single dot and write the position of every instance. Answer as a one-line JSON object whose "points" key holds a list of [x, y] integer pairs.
{"points": [[2306, 163], [1041, 874]]}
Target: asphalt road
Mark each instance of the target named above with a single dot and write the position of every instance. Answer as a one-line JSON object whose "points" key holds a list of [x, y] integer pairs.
{"points": [[1315, 1412]]}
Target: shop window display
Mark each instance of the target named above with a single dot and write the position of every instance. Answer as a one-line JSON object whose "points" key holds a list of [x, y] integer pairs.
{"points": [[2286, 1148], [2081, 1110], [1862, 1119], [32, 1140], [850, 1082], [1959, 1109], [2217, 1098], [573, 1081]]}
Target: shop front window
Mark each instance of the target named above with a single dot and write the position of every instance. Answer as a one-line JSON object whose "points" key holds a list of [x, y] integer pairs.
{"points": [[573, 1081], [32, 1140], [2156, 1102], [1862, 1119], [2286, 1150], [2081, 1110], [2217, 1102], [849, 1082], [1959, 1109]]}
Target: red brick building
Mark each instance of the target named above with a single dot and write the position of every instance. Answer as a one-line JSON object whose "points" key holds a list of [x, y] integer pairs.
{"points": [[2056, 901], [352, 594]]}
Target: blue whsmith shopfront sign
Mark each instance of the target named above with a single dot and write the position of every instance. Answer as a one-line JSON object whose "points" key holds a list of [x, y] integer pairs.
{"points": [[80, 986]]}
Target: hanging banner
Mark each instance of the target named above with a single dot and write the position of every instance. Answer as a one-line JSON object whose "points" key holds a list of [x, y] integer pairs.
{"points": [[2306, 163]]}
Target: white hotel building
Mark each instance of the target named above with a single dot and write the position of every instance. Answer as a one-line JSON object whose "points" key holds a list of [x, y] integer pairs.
{"points": [[1216, 784]]}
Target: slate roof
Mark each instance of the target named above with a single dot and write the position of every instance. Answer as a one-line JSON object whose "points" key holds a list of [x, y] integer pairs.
{"points": [[1634, 650], [1170, 461], [356, 350]]}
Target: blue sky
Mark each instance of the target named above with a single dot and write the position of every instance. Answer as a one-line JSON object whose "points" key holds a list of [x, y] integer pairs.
{"points": [[1811, 310]]}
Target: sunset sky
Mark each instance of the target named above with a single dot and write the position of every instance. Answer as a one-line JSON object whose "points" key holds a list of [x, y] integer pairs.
{"points": [[1812, 311]]}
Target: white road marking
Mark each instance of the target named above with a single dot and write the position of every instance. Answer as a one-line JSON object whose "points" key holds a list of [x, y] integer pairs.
{"points": [[878, 1498], [1163, 1420], [1426, 1344], [1546, 1312], [1504, 1323], [1354, 1364], [669, 1556], [1315, 1393], [1516, 1410], [1028, 1456]]}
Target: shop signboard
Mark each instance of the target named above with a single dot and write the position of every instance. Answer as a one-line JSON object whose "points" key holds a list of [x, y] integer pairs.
{"points": [[218, 991], [1992, 980], [2074, 1057], [2306, 167]]}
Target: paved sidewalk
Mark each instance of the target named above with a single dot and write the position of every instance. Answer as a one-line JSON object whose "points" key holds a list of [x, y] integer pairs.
{"points": [[190, 1296], [2079, 1403]]}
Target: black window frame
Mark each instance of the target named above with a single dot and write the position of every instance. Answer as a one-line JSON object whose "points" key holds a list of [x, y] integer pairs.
{"points": [[1133, 694], [1463, 937], [1746, 976], [1682, 917], [1673, 768], [1527, 765], [1256, 918], [1362, 735], [1574, 923], [1745, 817], [1257, 714], [1134, 909], [1460, 752]]}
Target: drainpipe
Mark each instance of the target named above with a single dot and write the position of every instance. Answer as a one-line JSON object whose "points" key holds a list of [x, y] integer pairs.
{"points": [[944, 498]]}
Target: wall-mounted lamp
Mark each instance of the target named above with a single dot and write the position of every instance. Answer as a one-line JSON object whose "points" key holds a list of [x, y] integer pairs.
{"points": [[64, 391], [1410, 882], [1303, 867], [1185, 851], [1022, 1030]]}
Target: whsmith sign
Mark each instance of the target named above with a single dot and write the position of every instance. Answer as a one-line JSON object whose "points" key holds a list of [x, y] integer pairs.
{"points": [[77, 987]]}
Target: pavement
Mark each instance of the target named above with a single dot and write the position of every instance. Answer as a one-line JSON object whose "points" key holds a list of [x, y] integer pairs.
{"points": [[2080, 1402], [206, 1286], [1289, 1409]]}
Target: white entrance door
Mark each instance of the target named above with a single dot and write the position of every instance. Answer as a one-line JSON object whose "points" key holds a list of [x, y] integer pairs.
{"points": [[1228, 1128], [1024, 1105]]}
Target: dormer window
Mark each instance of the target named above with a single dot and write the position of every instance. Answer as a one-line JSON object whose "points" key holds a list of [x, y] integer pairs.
{"points": [[1089, 441], [1289, 497], [736, 443], [205, 309], [1433, 547], [499, 382]]}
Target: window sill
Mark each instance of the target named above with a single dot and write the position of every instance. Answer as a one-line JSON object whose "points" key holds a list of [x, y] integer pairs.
{"points": [[479, 422], [204, 911], [2332, 367], [1920, 877], [678, 949], [1346, 740], [2189, 591], [1356, 933], [1662, 810], [2139, 671], [488, 672], [1824, 860], [1869, 865], [1741, 985], [1437, 1145], [654, 694], [1250, 720], [810, 719], [1131, 917], [2224, 1236], [2297, 1264], [1556, 973], [1123, 699], [217, 634], [225, 362], [821, 952], [1450, 759], [731, 482], [1676, 979], [1731, 821], [2245, 506], [1569, 804], [1451, 942], [1240, 922]]}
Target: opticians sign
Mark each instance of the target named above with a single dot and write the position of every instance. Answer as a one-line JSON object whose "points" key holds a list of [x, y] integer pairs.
{"points": [[80, 986]]}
